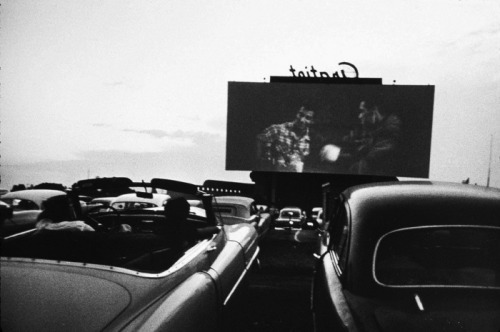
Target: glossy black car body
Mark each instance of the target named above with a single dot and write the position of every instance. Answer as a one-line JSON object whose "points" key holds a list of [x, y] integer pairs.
{"points": [[409, 256]]}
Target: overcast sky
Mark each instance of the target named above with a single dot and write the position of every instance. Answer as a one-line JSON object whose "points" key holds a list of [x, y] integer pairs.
{"points": [[139, 88]]}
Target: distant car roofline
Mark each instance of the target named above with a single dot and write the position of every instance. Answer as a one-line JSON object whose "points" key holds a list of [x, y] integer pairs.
{"points": [[35, 195]]}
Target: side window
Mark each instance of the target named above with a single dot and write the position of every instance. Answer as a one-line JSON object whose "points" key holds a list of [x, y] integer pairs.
{"points": [[24, 205], [339, 233], [225, 210]]}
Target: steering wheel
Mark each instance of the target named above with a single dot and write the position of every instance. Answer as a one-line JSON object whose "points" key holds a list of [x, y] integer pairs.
{"points": [[109, 210]]}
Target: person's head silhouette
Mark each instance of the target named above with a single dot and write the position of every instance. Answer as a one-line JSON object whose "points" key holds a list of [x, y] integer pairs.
{"points": [[177, 209]]}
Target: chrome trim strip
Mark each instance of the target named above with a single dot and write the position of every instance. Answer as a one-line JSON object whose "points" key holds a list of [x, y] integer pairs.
{"points": [[242, 276], [335, 260], [20, 234]]}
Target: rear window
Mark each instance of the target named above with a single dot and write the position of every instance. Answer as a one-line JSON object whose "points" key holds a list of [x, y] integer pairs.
{"points": [[290, 214], [439, 256], [225, 210]]}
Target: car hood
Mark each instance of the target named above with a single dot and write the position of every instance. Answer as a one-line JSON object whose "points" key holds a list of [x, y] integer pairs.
{"points": [[43, 299], [439, 311]]}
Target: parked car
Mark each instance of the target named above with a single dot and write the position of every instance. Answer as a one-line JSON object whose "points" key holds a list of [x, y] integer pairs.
{"points": [[26, 206], [109, 280], [311, 221], [290, 217], [139, 200], [410, 256], [239, 209]]}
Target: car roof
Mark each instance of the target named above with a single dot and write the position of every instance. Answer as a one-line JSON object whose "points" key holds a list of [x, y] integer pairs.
{"points": [[35, 195], [410, 192], [291, 208], [387, 206], [426, 187]]}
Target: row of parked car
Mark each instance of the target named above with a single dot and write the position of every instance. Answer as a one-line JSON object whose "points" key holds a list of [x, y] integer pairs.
{"points": [[390, 256], [27, 205], [293, 217]]}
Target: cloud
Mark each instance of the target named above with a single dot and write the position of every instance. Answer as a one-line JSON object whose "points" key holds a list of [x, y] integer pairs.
{"points": [[480, 41], [158, 133], [176, 135], [66, 140]]}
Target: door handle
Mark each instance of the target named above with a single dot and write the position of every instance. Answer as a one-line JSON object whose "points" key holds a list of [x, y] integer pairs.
{"points": [[211, 248]]}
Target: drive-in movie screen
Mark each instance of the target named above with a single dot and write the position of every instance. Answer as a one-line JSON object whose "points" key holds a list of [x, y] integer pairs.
{"points": [[330, 128]]}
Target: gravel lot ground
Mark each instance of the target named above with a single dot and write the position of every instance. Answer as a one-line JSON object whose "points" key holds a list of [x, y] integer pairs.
{"points": [[276, 297]]}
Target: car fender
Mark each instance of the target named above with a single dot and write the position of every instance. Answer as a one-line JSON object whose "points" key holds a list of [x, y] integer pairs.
{"points": [[236, 258], [227, 269], [246, 236], [191, 305]]}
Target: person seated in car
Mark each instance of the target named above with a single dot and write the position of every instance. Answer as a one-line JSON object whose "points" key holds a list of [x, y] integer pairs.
{"points": [[176, 231], [58, 216]]}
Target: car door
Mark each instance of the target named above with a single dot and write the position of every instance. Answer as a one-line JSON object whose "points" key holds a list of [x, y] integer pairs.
{"points": [[329, 305], [194, 301], [235, 259]]}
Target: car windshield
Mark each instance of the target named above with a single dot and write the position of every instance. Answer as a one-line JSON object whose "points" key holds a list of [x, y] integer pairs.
{"points": [[290, 214], [439, 256]]}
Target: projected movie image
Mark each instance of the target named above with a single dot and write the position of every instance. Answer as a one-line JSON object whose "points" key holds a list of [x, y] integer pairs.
{"points": [[322, 128]]}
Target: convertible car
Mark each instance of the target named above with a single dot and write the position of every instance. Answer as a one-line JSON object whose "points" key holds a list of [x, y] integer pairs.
{"points": [[127, 278], [239, 209], [409, 256]]}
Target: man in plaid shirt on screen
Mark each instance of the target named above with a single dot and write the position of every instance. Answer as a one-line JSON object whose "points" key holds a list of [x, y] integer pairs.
{"points": [[284, 146]]}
